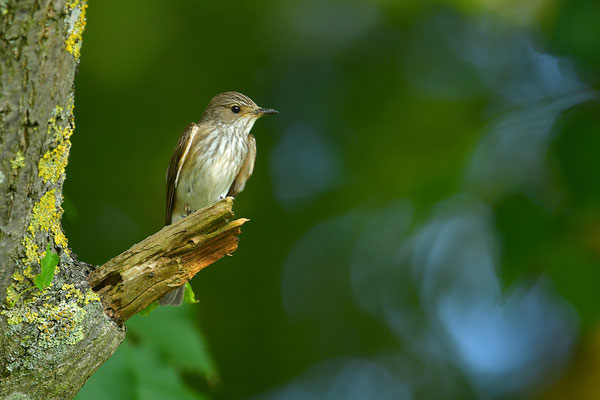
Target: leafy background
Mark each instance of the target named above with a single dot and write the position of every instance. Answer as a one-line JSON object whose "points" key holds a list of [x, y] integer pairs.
{"points": [[425, 219]]}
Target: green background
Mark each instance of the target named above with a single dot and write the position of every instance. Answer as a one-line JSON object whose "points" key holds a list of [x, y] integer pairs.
{"points": [[424, 209]]}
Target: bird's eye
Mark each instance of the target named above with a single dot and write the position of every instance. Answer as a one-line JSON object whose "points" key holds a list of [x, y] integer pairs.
{"points": [[235, 109]]}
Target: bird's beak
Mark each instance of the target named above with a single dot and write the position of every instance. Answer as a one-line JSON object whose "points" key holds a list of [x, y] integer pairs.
{"points": [[265, 111]]}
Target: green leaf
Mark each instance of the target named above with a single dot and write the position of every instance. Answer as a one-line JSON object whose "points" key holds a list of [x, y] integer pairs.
{"points": [[146, 311], [49, 263], [189, 296], [157, 380], [137, 371], [175, 333]]}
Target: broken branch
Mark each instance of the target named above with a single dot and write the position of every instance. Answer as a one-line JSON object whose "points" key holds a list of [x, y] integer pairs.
{"points": [[141, 275]]}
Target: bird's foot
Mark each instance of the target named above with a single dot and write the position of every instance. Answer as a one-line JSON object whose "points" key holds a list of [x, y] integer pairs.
{"points": [[188, 210]]}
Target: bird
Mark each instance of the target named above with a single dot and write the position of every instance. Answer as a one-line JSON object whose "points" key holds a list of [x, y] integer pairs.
{"points": [[213, 159]]}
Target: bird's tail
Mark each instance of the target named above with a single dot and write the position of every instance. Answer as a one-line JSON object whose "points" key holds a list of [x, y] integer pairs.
{"points": [[173, 298]]}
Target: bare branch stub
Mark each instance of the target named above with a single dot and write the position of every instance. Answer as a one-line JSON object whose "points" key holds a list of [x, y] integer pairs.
{"points": [[139, 276]]}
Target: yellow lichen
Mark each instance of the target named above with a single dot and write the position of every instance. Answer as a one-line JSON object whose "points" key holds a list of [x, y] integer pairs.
{"points": [[53, 163], [71, 4], [47, 212], [29, 309], [11, 294], [18, 161], [44, 213], [90, 295], [14, 319], [56, 323], [73, 42], [59, 324], [45, 217], [72, 293], [32, 255], [17, 276]]}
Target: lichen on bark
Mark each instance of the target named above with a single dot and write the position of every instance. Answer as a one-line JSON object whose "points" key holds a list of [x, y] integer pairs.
{"points": [[52, 340]]}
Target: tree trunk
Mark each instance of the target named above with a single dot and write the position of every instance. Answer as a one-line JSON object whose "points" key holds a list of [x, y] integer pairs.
{"points": [[52, 340]]}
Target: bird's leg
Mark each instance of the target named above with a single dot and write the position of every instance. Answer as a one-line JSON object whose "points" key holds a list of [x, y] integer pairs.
{"points": [[188, 210]]}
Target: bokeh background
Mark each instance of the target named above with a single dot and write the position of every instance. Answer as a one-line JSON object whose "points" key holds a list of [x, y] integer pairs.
{"points": [[425, 216]]}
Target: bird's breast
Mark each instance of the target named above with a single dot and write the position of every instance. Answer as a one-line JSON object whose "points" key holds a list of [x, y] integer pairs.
{"points": [[213, 165]]}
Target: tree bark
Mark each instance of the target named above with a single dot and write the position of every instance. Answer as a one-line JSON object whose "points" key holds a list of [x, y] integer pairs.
{"points": [[53, 340]]}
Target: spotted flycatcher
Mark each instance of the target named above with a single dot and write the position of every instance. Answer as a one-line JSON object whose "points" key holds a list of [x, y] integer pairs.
{"points": [[213, 159]]}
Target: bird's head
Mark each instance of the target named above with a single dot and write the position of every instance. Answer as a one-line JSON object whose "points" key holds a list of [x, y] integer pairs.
{"points": [[234, 109]]}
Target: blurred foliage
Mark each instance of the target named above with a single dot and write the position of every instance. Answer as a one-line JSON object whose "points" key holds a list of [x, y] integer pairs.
{"points": [[146, 365], [425, 212]]}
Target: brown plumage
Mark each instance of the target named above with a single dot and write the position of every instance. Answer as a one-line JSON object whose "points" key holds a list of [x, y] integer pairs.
{"points": [[212, 159]]}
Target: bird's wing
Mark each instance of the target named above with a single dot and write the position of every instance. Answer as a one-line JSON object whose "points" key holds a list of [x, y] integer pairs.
{"points": [[177, 160], [246, 170]]}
